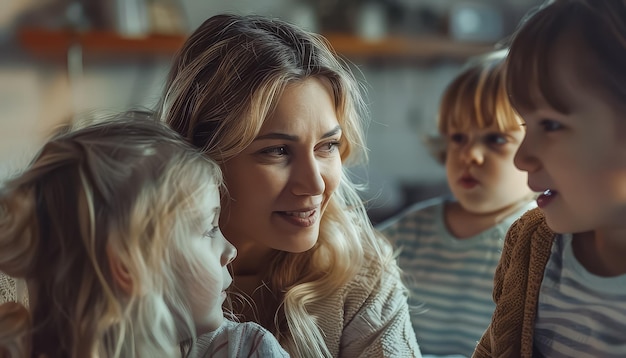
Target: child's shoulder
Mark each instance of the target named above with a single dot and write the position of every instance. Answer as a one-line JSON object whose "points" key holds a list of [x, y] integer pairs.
{"points": [[247, 339], [520, 213], [429, 207]]}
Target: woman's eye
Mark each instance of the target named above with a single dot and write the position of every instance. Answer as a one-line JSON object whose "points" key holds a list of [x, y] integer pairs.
{"points": [[276, 151], [330, 147], [550, 125]]}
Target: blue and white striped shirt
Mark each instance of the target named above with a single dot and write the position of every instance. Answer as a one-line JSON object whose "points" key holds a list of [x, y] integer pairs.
{"points": [[450, 280]]}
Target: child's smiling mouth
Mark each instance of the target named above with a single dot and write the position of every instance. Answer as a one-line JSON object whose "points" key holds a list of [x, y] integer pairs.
{"points": [[546, 197]]}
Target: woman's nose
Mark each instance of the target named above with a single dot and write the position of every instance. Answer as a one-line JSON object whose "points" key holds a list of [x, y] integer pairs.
{"points": [[307, 177]]}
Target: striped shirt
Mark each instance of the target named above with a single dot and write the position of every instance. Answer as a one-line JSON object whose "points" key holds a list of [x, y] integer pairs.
{"points": [[238, 340], [450, 280], [579, 314]]}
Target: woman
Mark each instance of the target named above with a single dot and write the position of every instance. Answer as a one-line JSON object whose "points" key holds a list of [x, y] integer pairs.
{"points": [[274, 106]]}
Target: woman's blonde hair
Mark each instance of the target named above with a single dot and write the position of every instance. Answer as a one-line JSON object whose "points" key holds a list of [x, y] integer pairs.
{"points": [[224, 84], [598, 29], [123, 191], [476, 98]]}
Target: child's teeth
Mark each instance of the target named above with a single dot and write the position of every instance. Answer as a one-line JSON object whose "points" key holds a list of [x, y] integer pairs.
{"points": [[547, 192]]}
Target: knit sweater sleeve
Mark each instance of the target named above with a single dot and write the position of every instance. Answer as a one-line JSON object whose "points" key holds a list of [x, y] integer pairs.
{"points": [[517, 282], [377, 322], [484, 349]]}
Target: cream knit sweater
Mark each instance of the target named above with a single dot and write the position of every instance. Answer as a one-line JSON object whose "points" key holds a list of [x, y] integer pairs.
{"points": [[364, 320], [12, 290]]}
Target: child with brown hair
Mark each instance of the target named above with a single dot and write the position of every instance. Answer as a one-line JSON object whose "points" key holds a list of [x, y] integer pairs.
{"points": [[560, 287]]}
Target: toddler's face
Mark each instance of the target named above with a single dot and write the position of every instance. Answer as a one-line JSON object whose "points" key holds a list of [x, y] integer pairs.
{"points": [[209, 278], [480, 169]]}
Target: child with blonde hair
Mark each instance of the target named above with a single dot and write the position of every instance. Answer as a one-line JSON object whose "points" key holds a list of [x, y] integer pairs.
{"points": [[560, 287], [114, 230], [449, 247]]}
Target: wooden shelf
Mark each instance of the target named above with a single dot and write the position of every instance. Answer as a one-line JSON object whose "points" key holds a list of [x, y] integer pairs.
{"points": [[47, 43], [419, 48]]}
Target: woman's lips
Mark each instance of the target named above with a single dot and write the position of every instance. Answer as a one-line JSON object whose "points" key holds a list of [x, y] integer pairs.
{"points": [[300, 218]]}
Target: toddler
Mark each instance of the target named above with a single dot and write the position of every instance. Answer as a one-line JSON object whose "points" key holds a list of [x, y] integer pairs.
{"points": [[449, 247]]}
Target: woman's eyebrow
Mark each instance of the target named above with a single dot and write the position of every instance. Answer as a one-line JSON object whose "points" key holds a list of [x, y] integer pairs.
{"points": [[295, 138]]}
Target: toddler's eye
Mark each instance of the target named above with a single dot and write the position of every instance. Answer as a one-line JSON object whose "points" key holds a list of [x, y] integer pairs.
{"points": [[496, 138], [457, 138]]}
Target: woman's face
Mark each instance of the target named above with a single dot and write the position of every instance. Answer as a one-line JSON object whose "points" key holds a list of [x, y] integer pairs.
{"points": [[280, 185]]}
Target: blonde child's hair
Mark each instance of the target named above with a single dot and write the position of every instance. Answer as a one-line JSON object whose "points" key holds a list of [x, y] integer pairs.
{"points": [[224, 84], [127, 190], [475, 99], [599, 30]]}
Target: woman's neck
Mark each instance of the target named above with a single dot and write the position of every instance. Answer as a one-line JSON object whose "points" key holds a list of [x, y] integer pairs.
{"points": [[252, 259], [253, 299]]}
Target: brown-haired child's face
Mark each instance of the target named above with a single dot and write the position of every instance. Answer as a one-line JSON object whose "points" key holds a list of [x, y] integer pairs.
{"points": [[579, 156], [480, 169]]}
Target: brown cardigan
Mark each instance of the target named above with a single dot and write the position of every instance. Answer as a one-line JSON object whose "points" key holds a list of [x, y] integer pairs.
{"points": [[516, 288]]}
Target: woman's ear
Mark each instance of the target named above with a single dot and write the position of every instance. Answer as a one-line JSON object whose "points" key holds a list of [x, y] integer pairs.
{"points": [[121, 276]]}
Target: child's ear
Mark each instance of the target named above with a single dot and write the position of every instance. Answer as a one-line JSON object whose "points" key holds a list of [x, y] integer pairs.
{"points": [[121, 276]]}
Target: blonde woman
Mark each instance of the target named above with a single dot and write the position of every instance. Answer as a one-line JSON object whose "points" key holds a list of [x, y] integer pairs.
{"points": [[283, 117]]}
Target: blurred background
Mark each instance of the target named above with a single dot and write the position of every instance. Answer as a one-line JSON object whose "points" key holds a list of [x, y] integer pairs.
{"points": [[63, 59]]}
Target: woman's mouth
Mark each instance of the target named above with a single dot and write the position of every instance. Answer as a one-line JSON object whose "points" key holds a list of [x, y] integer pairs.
{"points": [[300, 218]]}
